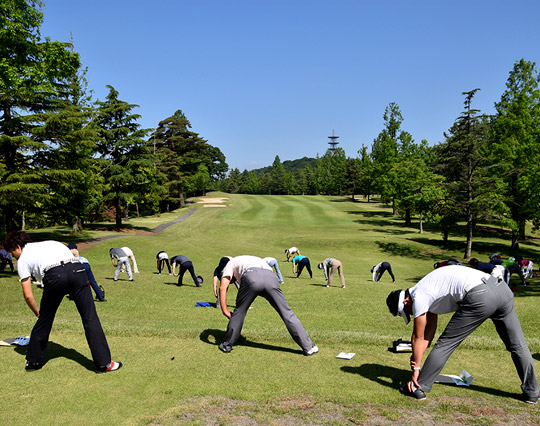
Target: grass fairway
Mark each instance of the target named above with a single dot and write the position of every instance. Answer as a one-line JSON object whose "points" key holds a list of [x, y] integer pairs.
{"points": [[174, 374]]}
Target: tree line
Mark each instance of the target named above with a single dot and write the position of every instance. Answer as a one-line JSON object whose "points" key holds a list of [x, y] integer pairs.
{"points": [[487, 169], [66, 158]]}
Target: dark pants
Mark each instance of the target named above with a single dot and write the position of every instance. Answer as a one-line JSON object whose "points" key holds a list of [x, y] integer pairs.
{"points": [[69, 279], [385, 266], [160, 264], [92, 281], [495, 301], [6, 261], [301, 264], [262, 282], [187, 266]]}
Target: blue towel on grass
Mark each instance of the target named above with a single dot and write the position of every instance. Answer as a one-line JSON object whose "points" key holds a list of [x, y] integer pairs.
{"points": [[203, 304]]}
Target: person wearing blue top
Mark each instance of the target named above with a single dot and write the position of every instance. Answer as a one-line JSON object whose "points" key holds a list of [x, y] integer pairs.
{"points": [[299, 263], [91, 279]]}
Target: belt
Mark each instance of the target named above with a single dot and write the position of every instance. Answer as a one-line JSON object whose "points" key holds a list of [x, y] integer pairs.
{"points": [[61, 263]]}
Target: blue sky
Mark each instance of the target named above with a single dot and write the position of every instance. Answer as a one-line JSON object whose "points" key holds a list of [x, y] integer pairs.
{"points": [[260, 78]]}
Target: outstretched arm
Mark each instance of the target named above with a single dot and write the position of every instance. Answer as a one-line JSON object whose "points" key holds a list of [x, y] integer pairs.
{"points": [[26, 285], [224, 285], [424, 329]]}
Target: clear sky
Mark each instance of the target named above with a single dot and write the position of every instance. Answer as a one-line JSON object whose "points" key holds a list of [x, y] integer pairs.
{"points": [[260, 78]]}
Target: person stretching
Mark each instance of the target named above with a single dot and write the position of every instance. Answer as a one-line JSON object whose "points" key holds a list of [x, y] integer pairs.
{"points": [[379, 269]]}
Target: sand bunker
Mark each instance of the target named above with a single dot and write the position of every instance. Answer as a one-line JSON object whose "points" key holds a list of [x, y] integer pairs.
{"points": [[212, 201]]}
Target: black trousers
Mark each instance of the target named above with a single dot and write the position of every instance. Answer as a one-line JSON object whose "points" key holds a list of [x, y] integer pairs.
{"points": [[70, 278], [162, 262], [187, 266], [304, 263], [385, 266]]}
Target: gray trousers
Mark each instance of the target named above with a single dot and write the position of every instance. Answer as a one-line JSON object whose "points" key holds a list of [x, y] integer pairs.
{"points": [[262, 282], [493, 300], [123, 261]]}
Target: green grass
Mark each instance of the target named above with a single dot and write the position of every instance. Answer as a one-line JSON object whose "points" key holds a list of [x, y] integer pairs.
{"points": [[173, 372]]}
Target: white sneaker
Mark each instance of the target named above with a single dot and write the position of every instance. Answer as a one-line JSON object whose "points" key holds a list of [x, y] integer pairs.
{"points": [[312, 351]]}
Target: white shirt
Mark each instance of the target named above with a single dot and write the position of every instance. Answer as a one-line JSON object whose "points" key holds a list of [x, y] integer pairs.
{"points": [[240, 264], [441, 290], [375, 270], [162, 255], [35, 257], [327, 264]]}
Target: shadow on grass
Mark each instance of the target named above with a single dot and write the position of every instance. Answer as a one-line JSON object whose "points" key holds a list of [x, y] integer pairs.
{"points": [[219, 335], [393, 377], [55, 350]]}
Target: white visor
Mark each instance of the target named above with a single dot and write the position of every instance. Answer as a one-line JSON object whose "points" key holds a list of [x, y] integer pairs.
{"points": [[401, 308]]}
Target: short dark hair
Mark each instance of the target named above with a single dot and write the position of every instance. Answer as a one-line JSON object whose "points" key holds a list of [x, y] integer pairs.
{"points": [[218, 272], [392, 302], [16, 239], [474, 262]]}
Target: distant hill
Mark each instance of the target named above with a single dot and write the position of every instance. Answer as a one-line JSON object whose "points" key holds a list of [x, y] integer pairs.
{"points": [[292, 166]]}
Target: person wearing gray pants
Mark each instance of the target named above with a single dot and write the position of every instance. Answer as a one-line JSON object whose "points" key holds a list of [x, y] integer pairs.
{"points": [[474, 296], [256, 278], [122, 260]]}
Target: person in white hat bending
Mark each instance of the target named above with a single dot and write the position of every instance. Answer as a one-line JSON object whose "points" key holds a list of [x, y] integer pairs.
{"points": [[473, 296]]}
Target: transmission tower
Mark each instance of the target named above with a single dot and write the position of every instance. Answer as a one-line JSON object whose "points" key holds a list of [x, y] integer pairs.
{"points": [[333, 142]]}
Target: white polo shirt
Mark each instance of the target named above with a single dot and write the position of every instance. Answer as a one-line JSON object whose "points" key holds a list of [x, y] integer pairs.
{"points": [[239, 264], [441, 290], [35, 257]]}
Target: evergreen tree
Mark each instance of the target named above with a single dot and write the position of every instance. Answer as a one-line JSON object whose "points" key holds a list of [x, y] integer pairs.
{"points": [[331, 172], [125, 159], [517, 146], [71, 174], [353, 173], [277, 177], [384, 153], [467, 163], [32, 75], [188, 163], [233, 185], [366, 173]]}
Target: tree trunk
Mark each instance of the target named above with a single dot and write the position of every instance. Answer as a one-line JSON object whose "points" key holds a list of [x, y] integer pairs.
{"points": [[514, 245], [421, 219], [408, 217], [77, 225], [117, 213], [182, 200]]}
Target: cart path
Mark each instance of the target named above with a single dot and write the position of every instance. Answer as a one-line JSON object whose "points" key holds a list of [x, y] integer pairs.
{"points": [[156, 230]]}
